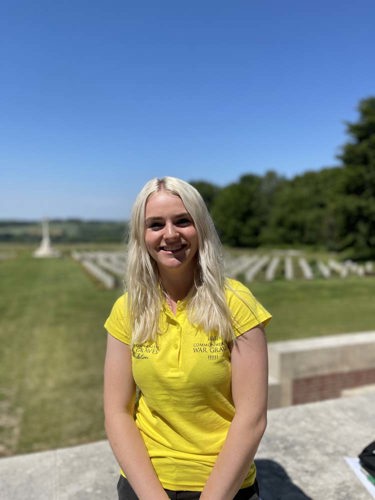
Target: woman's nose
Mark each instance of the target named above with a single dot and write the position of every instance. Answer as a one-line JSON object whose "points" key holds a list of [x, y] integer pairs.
{"points": [[170, 231]]}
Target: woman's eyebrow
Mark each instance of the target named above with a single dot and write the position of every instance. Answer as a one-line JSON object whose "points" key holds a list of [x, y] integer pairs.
{"points": [[184, 214], [176, 216], [151, 219]]}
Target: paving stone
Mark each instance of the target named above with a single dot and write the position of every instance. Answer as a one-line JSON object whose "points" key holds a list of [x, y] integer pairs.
{"points": [[300, 457]]}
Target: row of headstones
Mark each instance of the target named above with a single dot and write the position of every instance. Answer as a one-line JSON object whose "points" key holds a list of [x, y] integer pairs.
{"points": [[109, 267], [250, 266]]}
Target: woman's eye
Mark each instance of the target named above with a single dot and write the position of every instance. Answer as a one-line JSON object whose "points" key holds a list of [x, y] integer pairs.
{"points": [[155, 226], [183, 222]]}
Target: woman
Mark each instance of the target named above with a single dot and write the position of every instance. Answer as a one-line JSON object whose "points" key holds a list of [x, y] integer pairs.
{"points": [[193, 344]]}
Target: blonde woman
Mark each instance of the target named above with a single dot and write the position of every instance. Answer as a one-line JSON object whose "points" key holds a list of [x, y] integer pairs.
{"points": [[192, 342]]}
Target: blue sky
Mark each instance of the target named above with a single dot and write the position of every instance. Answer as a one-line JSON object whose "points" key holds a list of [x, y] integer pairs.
{"points": [[97, 97]]}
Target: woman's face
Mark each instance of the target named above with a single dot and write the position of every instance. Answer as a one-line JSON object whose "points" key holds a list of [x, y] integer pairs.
{"points": [[170, 234]]}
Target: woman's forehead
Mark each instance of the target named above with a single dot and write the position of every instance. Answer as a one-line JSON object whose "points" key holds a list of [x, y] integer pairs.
{"points": [[164, 202]]}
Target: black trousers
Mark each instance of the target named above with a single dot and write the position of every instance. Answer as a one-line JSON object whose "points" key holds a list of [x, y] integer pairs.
{"points": [[126, 492]]}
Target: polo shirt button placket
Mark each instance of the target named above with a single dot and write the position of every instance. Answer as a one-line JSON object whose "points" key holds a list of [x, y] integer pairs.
{"points": [[177, 343]]}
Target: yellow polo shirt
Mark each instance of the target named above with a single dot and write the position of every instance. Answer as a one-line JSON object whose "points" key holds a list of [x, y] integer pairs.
{"points": [[185, 406]]}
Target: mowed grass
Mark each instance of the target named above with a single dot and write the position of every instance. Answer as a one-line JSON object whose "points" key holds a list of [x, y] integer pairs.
{"points": [[53, 342], [318, 307], [52, 351]]}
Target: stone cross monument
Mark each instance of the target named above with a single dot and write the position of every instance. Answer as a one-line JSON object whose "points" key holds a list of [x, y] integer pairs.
{"points": [[45, 249]]}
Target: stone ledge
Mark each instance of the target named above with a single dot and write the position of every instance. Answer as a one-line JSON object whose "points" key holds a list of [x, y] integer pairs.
{"points": [[359, 391], [344, 361], [302, 452], [86, 472], [319, 355], [301, 457]]}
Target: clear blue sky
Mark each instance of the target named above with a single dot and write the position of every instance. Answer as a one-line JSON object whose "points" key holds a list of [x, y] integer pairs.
{"points": [[99, 96]]}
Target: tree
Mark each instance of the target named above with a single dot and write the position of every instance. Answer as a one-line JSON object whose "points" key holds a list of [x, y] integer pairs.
{"points": [[207, 190], [237, 212], [356, 209], [302, 210]]}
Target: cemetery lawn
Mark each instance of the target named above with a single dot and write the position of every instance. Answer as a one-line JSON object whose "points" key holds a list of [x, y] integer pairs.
{"points": [[53, 342], [312, 308], [52, 350]]}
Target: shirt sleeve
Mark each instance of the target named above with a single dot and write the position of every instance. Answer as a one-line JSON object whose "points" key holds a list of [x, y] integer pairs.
{"points": [[246, 311], [118, 323]]}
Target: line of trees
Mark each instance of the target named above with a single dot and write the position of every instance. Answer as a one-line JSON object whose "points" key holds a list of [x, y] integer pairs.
{"points": [[333, 208], [63, 231]]}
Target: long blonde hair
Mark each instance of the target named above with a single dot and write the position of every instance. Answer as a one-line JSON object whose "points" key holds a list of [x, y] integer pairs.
{"points": [[207, 306]]}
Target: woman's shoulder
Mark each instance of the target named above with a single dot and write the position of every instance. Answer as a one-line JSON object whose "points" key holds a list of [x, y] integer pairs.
{"points": [[121, 300], [117, 323], [119, 309], [232, 286], [246, 309]]}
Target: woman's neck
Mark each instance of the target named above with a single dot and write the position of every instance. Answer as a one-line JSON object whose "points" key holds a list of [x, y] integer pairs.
{"points": [[175, 287]]}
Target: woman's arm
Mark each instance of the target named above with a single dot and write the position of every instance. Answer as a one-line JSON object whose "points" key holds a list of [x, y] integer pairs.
{"points": [[126, 442], [249, 389]]}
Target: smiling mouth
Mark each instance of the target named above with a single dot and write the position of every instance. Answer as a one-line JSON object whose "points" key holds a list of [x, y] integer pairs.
{"points": [[173, 249]]}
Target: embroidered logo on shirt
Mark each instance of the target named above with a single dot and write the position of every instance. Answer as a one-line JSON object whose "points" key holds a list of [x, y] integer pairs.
{"points": [[213, 348], [143, 351]]}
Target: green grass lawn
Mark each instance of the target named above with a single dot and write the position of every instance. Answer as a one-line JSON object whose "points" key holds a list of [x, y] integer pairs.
{"points": [[52, 348], [53, 342], [318, 307]]}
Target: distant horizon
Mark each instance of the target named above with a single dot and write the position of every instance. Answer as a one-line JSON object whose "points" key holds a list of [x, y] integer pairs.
{"points": [[58, 219], [119, 220], [99, 98]]}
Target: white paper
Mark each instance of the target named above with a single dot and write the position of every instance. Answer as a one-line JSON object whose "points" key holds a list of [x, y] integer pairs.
{"points": [[354, 464]]}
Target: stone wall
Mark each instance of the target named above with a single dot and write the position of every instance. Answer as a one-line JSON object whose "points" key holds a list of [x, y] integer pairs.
{"points": [[320, 387], [319, 368]]}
